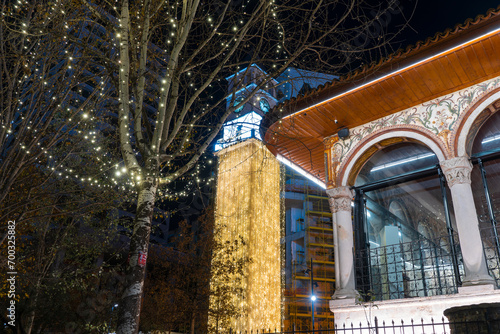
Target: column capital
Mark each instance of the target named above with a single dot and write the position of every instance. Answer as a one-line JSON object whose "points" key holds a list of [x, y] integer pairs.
{"points": [[340, 199], [457, 170]]}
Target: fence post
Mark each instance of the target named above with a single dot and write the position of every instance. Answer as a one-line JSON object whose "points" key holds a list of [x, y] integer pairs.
{"points": [[376, 324]]}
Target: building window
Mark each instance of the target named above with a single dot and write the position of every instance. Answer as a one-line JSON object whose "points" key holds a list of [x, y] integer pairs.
{"points": [[486, 189], [397, 189]]}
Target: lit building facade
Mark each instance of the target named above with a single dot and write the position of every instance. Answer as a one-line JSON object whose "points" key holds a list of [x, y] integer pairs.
{"points": [[411, 160], [260, 199], [248, 206]]}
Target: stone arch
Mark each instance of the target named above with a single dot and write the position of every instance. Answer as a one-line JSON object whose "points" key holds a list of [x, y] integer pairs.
{"points": [[471, 120], [367, 147]]}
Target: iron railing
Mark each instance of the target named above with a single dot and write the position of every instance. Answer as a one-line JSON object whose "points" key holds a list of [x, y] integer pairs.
{"points": [[491, 251], [419, 268], [443, 326]]}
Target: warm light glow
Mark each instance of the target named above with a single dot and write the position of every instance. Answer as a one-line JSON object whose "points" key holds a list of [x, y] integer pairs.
{"points": [[248, 205]]}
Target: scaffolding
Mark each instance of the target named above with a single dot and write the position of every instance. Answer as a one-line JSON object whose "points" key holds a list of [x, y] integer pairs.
{"points": [[310, 234]]}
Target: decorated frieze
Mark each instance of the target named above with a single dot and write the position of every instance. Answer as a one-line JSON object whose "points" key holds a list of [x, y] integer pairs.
{"points": [[438, 118]]}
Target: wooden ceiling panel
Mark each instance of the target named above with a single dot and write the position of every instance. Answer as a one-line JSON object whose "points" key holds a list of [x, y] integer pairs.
{"points": [[379, 96], [345, 113], [386, 91], [416, 87], [359, 105], [408, 93], [324, 116], [432, 77], [420, 82], [491, 51], [446, 67], [461, 61], [315, 124], [475, 62], [482, 59]]}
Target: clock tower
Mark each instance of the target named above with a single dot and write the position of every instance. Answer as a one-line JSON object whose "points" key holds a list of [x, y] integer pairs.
{"points": [[248, 205], [244, 122], [248, 200]]}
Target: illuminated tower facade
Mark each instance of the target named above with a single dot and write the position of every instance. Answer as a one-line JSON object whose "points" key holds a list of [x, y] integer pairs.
{"points": [[257, 201], [248, 206]]}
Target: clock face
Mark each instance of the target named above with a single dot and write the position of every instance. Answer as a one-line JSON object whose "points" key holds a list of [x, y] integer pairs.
{"points": [[264, 105], [238, 101]]}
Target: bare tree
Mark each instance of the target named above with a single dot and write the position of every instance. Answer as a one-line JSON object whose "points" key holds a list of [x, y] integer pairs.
{"points": [[43, 99], [168, 61], [50, 175]]}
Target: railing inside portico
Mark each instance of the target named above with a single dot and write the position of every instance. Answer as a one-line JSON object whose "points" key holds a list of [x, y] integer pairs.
{"points": [[491, 246], [406, 270], [420, 268]]}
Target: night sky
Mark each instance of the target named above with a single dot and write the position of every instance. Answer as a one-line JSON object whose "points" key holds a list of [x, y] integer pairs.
{"points": [[433, 16]]}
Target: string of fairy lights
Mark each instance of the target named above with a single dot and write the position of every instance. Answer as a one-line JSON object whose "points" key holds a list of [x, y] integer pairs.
{"points": [[249, 209], [111, 173], [248, 205]]}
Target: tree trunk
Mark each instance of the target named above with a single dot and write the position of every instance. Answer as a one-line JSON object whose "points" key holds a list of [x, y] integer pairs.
{"points": [[193, 317], [31, 315], [131, 300]]}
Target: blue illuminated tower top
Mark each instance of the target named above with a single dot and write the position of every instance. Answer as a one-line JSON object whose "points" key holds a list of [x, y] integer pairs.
{"points": [[244, 122]]}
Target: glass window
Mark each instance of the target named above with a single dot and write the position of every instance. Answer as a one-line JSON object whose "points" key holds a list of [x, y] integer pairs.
{"points": [[488, 137], [407, 248], [237, 102], [404, 261], [401, 207], [396, 160], [485, 188]]}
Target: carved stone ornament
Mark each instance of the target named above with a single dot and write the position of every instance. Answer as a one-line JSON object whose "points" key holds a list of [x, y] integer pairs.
{"points": [[329, 141], [457, 170], [340, 199]]}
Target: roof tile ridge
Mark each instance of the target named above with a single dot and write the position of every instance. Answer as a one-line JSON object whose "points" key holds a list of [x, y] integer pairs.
{"points": [[398, 54]]}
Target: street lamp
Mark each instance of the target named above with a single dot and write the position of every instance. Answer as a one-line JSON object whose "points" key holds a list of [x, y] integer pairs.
{"points": [[313, 297]]}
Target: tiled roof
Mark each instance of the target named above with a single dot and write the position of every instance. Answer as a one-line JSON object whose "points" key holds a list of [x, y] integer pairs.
{"points": [[395, 57]]}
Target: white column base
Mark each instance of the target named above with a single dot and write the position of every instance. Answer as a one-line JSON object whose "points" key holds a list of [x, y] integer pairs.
{"points": [[473, 280], [476, 289], [346, 294], [338, 303]]}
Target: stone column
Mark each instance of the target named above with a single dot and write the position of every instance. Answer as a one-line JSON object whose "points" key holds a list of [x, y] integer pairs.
{"points": [[458, 176], [340, 204]]}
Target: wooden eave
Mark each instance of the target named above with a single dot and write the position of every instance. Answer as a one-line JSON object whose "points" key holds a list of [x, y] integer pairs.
{"points": [[464, 57]]}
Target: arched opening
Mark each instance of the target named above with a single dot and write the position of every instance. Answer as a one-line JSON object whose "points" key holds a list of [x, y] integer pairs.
{"points": [[362, 155], [485, 154], [394, 160], [405, 245]]}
